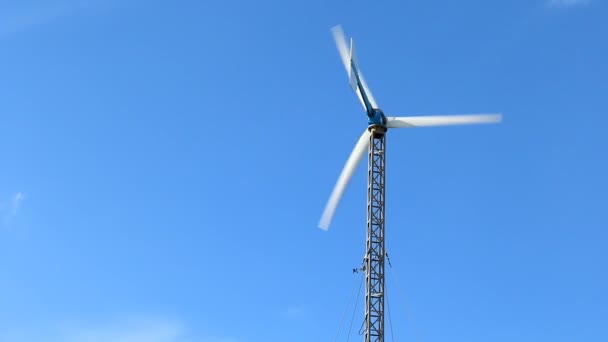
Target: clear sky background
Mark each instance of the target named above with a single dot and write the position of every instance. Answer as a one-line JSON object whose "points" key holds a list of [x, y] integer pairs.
{"points": [[166, 163]]}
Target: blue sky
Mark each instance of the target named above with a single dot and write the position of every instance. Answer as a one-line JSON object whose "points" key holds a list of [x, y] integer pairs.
{"points": [[166, 165]]}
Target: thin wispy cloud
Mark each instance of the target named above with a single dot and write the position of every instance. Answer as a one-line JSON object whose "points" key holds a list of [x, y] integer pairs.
{"points": [[18, 197], [217, 339], [124, 329], [29, 16], [147, 330], [17, 20], [12, 208], [295, 312], [567, 3]]}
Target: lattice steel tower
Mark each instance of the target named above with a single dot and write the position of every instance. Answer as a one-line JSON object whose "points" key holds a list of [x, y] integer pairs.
{"points": [[374, 255], [373, 140]]}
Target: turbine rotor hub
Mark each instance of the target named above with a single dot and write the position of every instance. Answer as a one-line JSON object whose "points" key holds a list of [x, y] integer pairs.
{"points": [[376, 117]]}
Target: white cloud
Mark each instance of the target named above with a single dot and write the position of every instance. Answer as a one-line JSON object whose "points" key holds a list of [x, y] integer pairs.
{"points": [[567, 3]]}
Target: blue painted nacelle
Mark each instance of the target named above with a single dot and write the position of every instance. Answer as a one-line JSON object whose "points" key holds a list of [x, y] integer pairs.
{"points": [[376, 118]]}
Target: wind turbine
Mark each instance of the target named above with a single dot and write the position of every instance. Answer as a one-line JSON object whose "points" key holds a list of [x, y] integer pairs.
{"points": [[373, 140]]}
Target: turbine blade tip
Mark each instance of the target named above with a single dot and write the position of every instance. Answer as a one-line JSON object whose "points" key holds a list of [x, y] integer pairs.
{"points": [[324, 225]]}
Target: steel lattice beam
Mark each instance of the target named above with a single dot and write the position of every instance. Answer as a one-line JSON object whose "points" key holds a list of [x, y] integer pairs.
{"points": [[374, 256]]}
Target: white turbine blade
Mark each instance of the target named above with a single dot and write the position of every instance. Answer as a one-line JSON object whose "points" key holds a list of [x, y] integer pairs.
{"points": [[353, 78], [341, 45], [353, 60], [347, 173], [345, 54], [441, 120], [370, 97]]}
